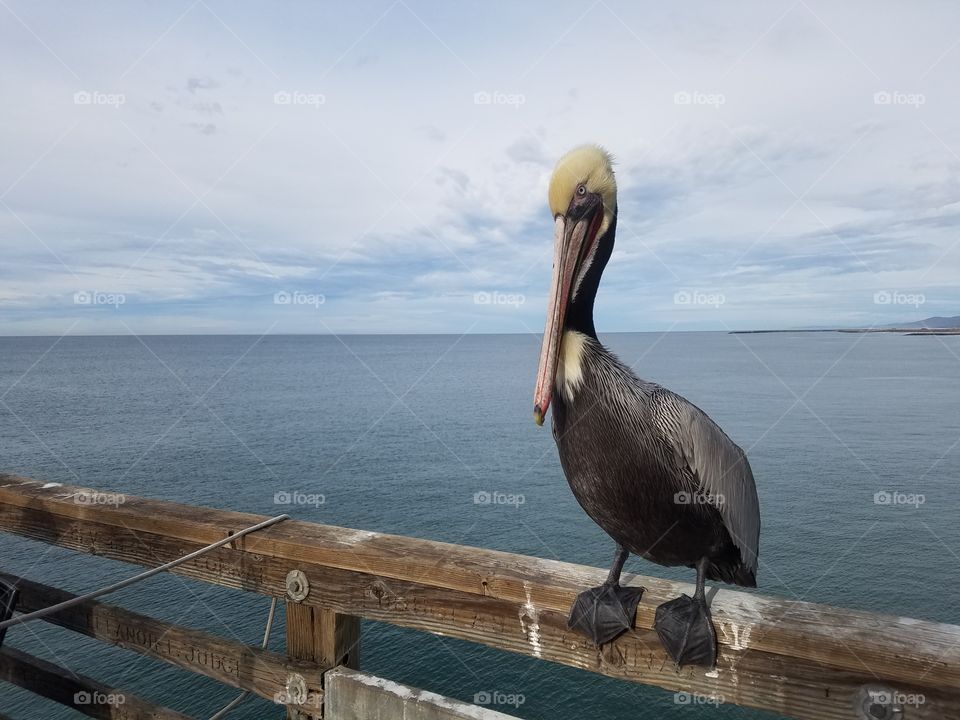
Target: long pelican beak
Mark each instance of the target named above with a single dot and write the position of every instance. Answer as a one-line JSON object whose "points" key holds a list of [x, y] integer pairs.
{"points": [[572, 240]]}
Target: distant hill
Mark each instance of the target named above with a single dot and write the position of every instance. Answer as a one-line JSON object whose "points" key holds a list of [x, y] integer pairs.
{"points": [[933, 323], [929, 326]]}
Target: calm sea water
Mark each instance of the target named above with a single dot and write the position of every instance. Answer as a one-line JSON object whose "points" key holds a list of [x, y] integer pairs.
{"points": [[399, 432]]}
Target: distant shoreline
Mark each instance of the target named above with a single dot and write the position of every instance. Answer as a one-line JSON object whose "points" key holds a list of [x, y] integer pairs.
{"points": [[901, 331]]}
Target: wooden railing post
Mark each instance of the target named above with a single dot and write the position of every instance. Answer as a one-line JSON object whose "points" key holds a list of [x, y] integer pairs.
{"points": [[323, 636]]}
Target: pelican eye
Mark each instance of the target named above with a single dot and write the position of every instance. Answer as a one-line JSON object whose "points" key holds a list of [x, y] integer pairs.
{"points": [[582, 190]]}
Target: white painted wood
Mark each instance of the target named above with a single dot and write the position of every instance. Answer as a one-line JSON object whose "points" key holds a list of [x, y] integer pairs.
{"points": [[354, 695]]}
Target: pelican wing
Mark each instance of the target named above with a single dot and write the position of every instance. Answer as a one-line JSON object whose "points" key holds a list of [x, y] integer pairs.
{"points": [[720, 466]]}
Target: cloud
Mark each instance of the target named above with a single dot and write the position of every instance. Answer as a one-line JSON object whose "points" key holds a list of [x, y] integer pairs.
{"points": [[432, 132], [752, 156], [207, 108], [528, 150], [201, 83], [204, 128]]}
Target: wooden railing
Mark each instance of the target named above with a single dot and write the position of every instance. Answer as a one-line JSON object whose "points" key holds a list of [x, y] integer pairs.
{"points": [[794, 658]]}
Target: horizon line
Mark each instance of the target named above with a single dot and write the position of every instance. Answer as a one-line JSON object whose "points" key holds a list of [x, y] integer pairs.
{"points": [[412, 334]]}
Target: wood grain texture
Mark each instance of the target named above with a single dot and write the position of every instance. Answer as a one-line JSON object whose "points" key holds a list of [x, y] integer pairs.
{"points": [[249, 668], [794, 658], [325, 637], [84, 694]]}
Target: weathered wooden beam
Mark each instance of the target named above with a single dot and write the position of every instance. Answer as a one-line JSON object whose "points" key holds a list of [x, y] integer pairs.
{"points": [[84, 694], [322, 636], [338, 636], [262, 672], [300, 646], [788, 686], [759, 680], [793, 658], [353, 695]]}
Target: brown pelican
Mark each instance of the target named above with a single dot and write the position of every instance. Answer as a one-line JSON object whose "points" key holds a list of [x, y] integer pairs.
{"points": [[649, 467]]}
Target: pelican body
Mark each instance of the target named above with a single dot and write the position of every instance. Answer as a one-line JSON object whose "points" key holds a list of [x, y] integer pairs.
{"points": [[649, 467]]}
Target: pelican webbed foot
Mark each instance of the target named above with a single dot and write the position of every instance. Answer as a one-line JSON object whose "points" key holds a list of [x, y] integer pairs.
{"points": [[686, 631], [604, 612], [686, 628]]}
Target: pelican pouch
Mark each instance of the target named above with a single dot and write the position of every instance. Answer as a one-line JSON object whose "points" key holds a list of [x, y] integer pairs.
{"points": [[8, 601]]}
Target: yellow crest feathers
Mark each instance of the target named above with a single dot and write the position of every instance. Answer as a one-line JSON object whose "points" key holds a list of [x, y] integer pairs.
{"points": [[592, 166]]}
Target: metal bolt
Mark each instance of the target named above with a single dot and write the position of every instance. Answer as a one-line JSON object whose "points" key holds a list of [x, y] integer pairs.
{"points": [[298, 587], [296, 689]]}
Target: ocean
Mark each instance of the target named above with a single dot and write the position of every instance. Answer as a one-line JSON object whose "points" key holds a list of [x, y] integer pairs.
{"points": [[399, 433]]}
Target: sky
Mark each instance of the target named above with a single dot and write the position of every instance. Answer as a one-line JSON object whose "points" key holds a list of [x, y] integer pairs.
{"points": [[231, 167]]}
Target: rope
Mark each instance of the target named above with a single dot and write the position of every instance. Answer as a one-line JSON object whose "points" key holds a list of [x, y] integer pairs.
{"points": [[43, 612], [222, 713]]}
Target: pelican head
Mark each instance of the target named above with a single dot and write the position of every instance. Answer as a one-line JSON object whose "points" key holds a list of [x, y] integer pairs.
{"points": [[583, 201]]}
